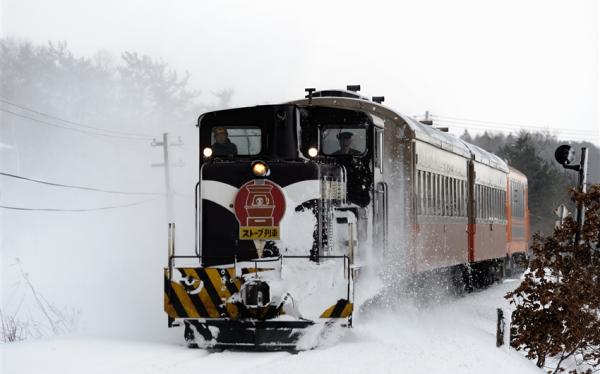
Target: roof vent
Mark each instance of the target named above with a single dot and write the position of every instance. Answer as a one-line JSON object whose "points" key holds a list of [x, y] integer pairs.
{"points": [[427, 121], [337, 93], [378, 99], [353, 87], [310, 94]]}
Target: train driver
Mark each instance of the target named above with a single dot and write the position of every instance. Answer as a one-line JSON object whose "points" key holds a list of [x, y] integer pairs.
{"points": [[222, 145], [345, 139]]}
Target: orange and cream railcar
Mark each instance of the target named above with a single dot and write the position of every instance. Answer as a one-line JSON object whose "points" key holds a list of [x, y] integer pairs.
{"points": [[518, 232]]}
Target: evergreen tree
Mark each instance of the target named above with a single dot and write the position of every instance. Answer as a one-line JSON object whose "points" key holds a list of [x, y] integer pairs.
{"points": [[466, 136]]}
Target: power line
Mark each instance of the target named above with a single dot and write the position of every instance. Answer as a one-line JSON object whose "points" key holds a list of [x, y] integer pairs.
{"points": [[70, 128], [72, 122], [76, 210], [472, 125], [79, 187], [480, 127], [579, 138], [517, 125]]}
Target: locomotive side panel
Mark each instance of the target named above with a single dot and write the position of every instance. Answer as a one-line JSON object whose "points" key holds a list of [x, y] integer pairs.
{"points": [[397, 171]]}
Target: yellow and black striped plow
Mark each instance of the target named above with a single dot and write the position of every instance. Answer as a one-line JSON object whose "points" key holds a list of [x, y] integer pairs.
{"points": [[342, 309], [201, 293]]}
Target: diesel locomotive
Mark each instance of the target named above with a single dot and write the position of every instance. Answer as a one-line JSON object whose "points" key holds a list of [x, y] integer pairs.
{"points": [[295, 200]]}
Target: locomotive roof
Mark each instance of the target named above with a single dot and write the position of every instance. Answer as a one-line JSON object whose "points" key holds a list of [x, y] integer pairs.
{"points": [[417, 130], [338, 93]]}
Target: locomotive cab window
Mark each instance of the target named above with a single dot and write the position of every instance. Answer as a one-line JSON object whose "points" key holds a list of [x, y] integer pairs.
{"points": [[340, 141], [229, 141]]}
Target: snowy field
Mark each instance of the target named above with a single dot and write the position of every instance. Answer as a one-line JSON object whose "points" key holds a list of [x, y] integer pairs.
{"points": [[457, 336]]}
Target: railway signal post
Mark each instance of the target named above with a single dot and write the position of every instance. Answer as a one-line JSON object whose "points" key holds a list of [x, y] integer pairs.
{"points": [[565, 155]]}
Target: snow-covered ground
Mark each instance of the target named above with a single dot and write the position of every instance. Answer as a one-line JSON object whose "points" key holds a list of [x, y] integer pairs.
{"points": [[456, 336]]}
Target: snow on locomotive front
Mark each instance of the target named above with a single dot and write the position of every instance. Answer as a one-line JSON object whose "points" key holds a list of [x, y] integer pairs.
{"points": [[280, 192]]}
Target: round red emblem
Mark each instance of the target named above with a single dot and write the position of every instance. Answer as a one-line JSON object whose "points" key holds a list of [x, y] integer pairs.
{"points": [[259, 203]]}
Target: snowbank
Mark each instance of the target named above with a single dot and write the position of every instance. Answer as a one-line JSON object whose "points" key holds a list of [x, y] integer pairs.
{"points": [[455, 337]]}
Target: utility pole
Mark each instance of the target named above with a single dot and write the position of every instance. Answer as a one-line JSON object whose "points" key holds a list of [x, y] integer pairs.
{"points": [[166, 144], [582, 180]]}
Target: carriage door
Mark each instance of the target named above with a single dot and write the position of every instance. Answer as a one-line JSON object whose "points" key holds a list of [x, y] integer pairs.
{"points": [[380, 194], [345, 234], [380, 216]]}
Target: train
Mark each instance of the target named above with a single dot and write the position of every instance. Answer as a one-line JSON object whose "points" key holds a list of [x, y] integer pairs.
{"points": [[295, 201]]}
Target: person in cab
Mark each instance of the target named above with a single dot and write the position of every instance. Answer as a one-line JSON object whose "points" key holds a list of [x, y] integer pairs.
{"points": [[222, 146], [345, 139]]}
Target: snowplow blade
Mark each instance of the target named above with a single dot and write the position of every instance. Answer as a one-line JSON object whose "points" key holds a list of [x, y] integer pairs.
{"points": [[250, 335]]}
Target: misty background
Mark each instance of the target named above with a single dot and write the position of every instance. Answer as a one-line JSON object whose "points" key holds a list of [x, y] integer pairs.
{"points": [[86, 88]]}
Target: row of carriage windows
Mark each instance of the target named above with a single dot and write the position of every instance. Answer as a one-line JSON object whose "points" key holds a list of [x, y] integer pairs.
{"points": [[439, 195], [490, 202]]}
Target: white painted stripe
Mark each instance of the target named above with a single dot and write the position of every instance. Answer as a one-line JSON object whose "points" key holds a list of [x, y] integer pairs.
{"points": [[299, 192], [219, 193]]}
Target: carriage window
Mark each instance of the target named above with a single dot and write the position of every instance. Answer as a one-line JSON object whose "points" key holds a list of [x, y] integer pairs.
{"points": [[486, 199], [435, 199], [459, 198], [428, 193], [518, 199], [497, 203], [234, 141], [494, 203], [419, 192], [478, 201], [502, 207], [449, 208], [379, 150], [463, 199], [440, 199], [485, 202], [454, 197], [442, 195], [337, 141]]}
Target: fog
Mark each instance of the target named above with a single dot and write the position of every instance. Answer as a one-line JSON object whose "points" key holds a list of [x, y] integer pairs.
{"points": [[529, 63], [532, 64]]}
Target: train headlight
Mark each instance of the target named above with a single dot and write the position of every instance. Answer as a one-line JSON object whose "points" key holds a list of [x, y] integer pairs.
{"points": [[313, 152], [207, 152], [260, 169], [255, 294]]}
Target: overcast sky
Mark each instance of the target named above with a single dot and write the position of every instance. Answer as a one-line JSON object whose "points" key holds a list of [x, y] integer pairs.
{"points": [[530, 62]]}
